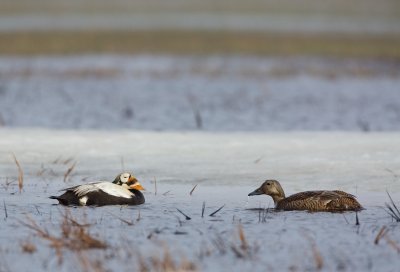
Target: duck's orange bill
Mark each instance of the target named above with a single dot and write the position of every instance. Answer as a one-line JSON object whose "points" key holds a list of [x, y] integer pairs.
{"points": [[132, 179], [136, 186]]}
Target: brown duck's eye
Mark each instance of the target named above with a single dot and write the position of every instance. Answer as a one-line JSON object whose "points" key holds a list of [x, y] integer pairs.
{"points": [[268, 183]]}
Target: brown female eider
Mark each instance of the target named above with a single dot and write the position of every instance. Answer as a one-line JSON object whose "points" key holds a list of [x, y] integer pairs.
{"points": [[124, 190], [329, 201]]}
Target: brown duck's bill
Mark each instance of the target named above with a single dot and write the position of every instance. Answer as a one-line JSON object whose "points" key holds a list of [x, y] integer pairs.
{"points": [[256, 192], [136, 186]]}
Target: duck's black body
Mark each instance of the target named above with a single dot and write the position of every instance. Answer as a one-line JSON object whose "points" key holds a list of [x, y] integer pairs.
{"points": [[124, 190], [99, 198]]}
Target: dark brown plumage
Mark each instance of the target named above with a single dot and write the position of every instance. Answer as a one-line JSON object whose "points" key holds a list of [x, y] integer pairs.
{"points": [[310, 200]]}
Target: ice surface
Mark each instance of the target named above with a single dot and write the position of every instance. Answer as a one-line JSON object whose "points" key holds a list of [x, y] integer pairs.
{"points": [[208, 93], [226, 167], [248, 113]]}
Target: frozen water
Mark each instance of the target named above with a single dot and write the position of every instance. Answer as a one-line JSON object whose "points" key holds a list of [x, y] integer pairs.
{"points": [[209, 93], [226, 167], [245, 107]]}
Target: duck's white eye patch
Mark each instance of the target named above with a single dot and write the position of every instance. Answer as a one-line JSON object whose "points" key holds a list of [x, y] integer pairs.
{"points": [[124, 177]]}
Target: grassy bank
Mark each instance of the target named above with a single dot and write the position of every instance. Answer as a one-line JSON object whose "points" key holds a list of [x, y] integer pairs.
{"points": [[198, 42]]}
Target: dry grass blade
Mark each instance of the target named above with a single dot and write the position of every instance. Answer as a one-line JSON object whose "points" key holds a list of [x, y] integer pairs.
{"points": [[186, 217], [244, 244], [90, 264], [155, 186], [5, 209], [347, 221], [74, 236], [129, 223], [69, 171], [68, 160], [219, 244], [191, 191], [382, 232], [203, 209], [357, 221], [28, 247], [198, 119], [214, 213], [258, 160], [319, 262], [243, 250], [20, 174], [393, 211], [392, 243], [165, 263]]}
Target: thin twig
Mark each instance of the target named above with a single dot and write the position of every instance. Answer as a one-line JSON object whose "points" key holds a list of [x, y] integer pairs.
{"points": [[129, 223], [191, 192], [186, 217], [392, 243], [212, 214], [203, 209], [5, 209], [345, 219], [57, 160], [382, 232], [20, 174], [392, 172], [393, 210], [68, 160], [69, 171], [37, 209], [258, 160], [155, 186], [357, 221]]}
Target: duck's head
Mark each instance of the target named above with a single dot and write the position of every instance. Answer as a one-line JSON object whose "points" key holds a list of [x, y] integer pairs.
{"points": [[128, 180], [269, 187]]}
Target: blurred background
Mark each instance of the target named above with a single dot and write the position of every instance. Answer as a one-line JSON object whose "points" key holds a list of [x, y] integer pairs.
{"points": [[224, 65]]}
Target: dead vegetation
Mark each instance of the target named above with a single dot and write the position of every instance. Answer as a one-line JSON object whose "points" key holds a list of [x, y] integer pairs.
{"points": [[262, 215], [28, 247], [240, 247], [69, 171], [392, 209], [318, 260], [241, 250], [165, 262], [20, 175], [5, 210], [196, 42], [191, 191], [383, 234], [74, 236], [215, 212]]}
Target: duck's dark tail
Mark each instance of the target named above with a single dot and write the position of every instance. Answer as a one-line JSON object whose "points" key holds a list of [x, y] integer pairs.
{"points": [[60, 200]]}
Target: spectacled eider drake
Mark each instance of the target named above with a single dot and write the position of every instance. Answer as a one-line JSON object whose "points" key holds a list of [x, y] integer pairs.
{"points": [[330, 201], [124, 190]]}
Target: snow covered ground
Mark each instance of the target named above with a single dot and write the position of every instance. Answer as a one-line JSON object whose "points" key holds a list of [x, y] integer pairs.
{"points": [[196, 92]]}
